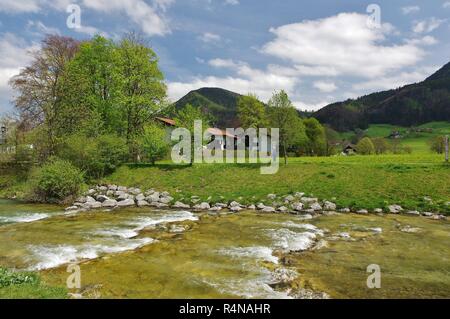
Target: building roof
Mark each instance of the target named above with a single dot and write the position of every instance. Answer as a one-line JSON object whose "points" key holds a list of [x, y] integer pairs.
{"points": [[166, 121], [213, 131], [349, 145], [219, 132]]}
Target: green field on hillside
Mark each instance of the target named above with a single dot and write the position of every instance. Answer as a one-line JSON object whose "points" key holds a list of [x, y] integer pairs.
{"points": [[419, 142]]}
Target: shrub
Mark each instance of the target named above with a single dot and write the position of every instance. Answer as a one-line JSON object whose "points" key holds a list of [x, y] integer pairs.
{"points": [[154, 143], [437, 144], [97, 156], [9, 278], [365, 146], [55, 181], [380, 144]]}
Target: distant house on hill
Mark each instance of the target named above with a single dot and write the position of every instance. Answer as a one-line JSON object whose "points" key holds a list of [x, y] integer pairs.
{"points": [[395, 135], [349, 149]]}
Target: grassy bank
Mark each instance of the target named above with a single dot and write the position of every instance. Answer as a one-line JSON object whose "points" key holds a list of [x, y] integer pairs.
{"points": [[359, 182], [26, 285]]}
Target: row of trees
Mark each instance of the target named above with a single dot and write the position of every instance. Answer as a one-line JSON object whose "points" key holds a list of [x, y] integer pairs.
{"points": [[298, 136], [93, 91]]}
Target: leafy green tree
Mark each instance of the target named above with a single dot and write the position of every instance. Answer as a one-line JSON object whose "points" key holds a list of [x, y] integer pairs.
{"points": [[186, 117], [143, 91], [251, 112], [333, 139], [154, 142], [40, 94], [284, 116], [380, 144], [437, 144], [92, 88], [317, 142], [365, 147]]}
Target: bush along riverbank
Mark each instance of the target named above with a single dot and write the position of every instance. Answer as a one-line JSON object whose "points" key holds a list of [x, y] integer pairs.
{"points": [[16, 285], [113, 197]]}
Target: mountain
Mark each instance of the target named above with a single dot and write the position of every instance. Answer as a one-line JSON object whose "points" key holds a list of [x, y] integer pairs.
{"points": [[220, 104], [410, 105]]}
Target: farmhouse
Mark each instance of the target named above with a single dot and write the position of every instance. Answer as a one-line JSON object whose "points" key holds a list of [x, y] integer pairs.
{"points": [[170, 125], [349, 149]]}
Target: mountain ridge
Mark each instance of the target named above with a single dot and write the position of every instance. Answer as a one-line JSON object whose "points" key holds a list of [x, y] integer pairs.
{"points": [[412, 104]]}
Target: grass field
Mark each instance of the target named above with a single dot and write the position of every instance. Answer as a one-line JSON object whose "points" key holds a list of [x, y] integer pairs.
{"points": [[418, 142], [358, 182]]}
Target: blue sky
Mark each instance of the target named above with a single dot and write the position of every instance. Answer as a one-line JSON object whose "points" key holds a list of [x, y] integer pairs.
{"points": [[319, 51]]}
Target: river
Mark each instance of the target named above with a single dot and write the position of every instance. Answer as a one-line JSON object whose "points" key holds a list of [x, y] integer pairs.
{"points": [[147, 253]]}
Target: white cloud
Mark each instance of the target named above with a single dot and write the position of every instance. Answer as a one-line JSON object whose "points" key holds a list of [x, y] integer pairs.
{"points": [[426, 40], [446, 5], [427, 26], [410, 9], [310, 106], [244, 80], [326, 87], [209, 37], [342, 43], [232, 2], [18, 6], [15, 55], [146, 16], [42, 28], [395, 81]]}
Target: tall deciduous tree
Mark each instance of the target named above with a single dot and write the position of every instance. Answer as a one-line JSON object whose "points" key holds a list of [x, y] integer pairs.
{"points": [[186, 118], [317, 141], [251, 112], [142, 88], [39, 85], [283, 115]]}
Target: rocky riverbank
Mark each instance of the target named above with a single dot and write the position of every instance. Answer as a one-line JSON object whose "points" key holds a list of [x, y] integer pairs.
{"points": [[112, 197]]}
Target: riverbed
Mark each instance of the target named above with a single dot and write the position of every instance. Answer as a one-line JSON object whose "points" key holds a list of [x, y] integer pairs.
{"points": [[148, 253]]}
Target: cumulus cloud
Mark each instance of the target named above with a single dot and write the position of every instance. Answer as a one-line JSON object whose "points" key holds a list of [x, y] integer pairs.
{"points": [[326, 87], [232, 2], [141, 13], [245, 79], [209, 37], [428, 25], [395, 81], [15, 55], [410, 9], [343, 43], [14, 6], [40, 27], [446, 5]]}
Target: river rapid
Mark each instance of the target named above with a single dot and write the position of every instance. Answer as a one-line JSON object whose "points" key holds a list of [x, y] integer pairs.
{"points": [[147, 253]]}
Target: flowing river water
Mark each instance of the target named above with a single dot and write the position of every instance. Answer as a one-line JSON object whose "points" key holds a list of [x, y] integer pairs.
{"points": [[147, 253]]}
